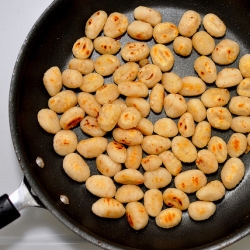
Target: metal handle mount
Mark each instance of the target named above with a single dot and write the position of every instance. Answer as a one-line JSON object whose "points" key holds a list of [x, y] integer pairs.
{"points": [[20, 199]]}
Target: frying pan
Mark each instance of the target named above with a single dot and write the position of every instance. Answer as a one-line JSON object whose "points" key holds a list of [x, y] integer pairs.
{"points": [[49, 43]]}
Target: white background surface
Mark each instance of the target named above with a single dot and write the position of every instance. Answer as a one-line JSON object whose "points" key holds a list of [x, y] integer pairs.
{"points": [[37, 228]]}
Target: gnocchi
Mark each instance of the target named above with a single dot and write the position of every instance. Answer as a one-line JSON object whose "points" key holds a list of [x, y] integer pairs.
{"points": [[142, 86], [75, 167]]}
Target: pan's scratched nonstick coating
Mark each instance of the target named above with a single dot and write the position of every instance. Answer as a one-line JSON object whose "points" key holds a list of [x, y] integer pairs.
{"points": [[49, 44]]}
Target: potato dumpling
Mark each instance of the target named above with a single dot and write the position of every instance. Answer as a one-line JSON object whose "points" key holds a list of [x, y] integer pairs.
{"points": [[219, 117], [196, 108], [244, 65], [145, 126], [236, 145], [135, 51], [184, 149], [107, 166], [140, 30], [116, 25], [92, 147], [134, 157], [108, 116], [95, 23], [84, 66], [108, 208], [106, 64], [71, 78], [89, 104], [49, 121], [240, 105], [106, 45], [117, 151], [158, 178], [206, 161], [219, 147], [166, 127], [65, 142], [101, 186], [62, 101], [174, 197], [202, 134], [228, 77], [168, 218], [129, 137], [215, 97], [107, 93], [155, 144], [206, 69], [133, 89], [203, 43], [151, 162], [241, 124], [189, 23], [129, 177], [192, 86], [89, 125], [52, 80], [214, 25], [92, 82], [129, 193], [165, 32], [213, 191], [171, 82], [162, 56], [137, 215], [174, 105], [83, 48], [232, 173], [190, 181], [148, 15], [243, 89], [186, 125], [149, 74], [153, 202], [226, 52], [72, 117], [182, 46], [75, 167], [201, 210], [129, 118], [126, 72], [171, 162], [156, 98]]}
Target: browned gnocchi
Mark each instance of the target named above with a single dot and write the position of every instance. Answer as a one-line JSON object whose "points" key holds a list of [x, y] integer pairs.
{"points": [[52, 80], [140, 30], [144, 121], [49, 121], [115, 25], [75, 167], [148, 15], [189, 23], [95, 24]]}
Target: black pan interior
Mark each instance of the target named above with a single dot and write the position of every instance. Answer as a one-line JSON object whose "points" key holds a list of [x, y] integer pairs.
{"points": [[49, 44]]}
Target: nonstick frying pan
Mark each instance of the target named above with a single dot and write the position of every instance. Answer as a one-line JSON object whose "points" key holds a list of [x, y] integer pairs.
{"points": [[49, 43]]}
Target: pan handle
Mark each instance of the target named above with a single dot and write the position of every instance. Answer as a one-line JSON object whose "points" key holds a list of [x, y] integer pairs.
{"points": [[11, 205]]}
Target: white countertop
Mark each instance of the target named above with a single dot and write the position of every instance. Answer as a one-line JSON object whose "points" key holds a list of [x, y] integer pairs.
{"points": [[36, 228]]}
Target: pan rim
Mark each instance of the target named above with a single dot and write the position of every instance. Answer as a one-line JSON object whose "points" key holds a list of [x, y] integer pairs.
{"points": [[21, 154]]}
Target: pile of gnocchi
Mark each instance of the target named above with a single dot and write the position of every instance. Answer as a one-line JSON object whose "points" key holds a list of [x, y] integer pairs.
{"points": [[143, 155]]}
